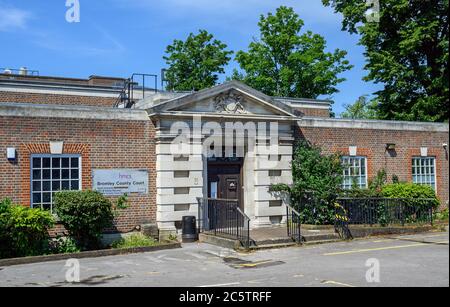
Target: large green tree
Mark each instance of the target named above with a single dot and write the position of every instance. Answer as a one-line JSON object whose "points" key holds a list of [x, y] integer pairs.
{"points": [[195, 63], [407, 50], [363, 108], [284, 62]]}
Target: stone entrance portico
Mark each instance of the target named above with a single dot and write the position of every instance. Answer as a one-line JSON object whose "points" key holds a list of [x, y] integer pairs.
{"points": [[225, 122]]}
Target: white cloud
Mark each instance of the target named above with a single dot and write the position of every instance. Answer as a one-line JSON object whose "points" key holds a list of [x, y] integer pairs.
{"points": [[13, 19]]}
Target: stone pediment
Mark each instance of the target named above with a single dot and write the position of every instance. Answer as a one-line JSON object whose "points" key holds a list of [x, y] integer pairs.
{"points": [[232, 98]]}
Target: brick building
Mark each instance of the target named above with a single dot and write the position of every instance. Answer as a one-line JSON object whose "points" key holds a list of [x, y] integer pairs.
{"points": [[168, 149]]}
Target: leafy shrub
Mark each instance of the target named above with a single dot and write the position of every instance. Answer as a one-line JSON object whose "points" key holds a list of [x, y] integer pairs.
{"points": [[63, 245], [85, 214], [317, 179], [442, 215], [410, 191], [374, 190], [135, 240], [23, 230]]}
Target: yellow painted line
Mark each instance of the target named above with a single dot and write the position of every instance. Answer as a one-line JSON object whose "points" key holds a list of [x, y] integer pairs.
{"points": [[252, 265], [374, 249], [382, 241], [331, 282]]}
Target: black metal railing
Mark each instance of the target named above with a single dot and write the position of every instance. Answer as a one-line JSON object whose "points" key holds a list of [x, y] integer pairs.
{"points": [[293, 224], [224, 218], [133, 87], [386, 211]]}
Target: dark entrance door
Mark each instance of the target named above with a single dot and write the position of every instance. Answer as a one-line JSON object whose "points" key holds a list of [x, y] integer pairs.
{"points": [[225, 181]]}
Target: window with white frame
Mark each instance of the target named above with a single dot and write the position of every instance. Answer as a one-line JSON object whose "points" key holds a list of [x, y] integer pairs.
{"points": [[53, 173], [355, 172], [424, 171]]}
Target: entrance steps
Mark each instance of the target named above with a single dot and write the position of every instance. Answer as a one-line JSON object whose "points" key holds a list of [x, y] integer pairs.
{"points": [[275, 237]]}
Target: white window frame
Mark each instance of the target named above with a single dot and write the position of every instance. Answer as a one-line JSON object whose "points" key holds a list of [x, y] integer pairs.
{"points": [[366, 181], [80, 178], [415, 166]]}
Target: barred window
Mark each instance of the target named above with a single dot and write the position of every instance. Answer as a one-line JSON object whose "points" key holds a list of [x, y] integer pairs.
{"points": [[355, 172], [424, 171], [53, 173]]}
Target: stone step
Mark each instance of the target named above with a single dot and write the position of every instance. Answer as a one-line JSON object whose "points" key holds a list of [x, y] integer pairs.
{"points": [[309, 239], [320, 237]]}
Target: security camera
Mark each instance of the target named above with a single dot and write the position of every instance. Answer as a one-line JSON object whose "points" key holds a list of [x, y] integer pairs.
{"points": [[445, 145]]}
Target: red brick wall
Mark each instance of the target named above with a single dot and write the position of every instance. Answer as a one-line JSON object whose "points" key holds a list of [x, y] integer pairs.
{"points": [[101, 143], [372, 143], [314, 112], [58, 99]]}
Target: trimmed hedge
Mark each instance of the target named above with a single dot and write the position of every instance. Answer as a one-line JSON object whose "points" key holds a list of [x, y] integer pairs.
{"points": [[410, 191]]}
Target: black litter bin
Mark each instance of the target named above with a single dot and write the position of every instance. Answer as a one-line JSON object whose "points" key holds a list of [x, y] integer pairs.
{"points": [[189, 229]]}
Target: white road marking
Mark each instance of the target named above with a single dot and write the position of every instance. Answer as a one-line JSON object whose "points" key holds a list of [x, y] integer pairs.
{"points": [[331, 282], [221, 285]]}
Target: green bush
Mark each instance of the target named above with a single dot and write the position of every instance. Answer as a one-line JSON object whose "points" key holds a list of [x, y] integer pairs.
{"points": [[374, 189], [23, 230], [63, 245], [410, 191], [317, 183], [135, 240], [84, 214], [442, 215]]}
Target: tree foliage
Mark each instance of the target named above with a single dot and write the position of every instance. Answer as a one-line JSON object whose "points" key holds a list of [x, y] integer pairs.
{"points": [[361, 109], [407, 51], [284, 62], [195, 64], [317, 183]]}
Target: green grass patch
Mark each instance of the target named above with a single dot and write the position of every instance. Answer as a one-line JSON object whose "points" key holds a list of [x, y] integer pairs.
{"points": [[135, 240]]}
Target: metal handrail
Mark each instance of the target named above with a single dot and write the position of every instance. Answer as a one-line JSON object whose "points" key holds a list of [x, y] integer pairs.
{"points": [[224, 218], [293, 224], [127, 94]]}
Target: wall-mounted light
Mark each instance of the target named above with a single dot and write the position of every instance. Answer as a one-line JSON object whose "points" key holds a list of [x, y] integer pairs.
{"points": [[445, 146], [11, 154], [56, 147], [390, 146]]}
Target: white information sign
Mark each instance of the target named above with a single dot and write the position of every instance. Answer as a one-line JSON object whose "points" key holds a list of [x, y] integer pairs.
{"points": [[116, 182]]}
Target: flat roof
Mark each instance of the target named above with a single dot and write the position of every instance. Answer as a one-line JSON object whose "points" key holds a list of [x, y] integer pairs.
{"points": [[316, 122]]}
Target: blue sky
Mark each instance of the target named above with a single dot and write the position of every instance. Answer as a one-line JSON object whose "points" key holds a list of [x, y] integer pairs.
{"points": [[119, 37]]}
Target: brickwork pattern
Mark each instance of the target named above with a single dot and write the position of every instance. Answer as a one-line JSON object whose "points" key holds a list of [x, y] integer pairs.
{"points": [[372, 144], [103, 144], [56, 99]]}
